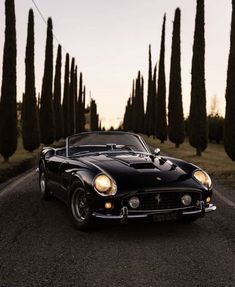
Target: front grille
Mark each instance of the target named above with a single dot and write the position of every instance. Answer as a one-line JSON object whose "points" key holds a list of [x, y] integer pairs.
{"points": [[163, 200]]}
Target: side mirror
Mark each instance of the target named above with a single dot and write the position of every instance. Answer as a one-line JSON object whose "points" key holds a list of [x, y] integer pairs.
{"points": [[157, 151]]}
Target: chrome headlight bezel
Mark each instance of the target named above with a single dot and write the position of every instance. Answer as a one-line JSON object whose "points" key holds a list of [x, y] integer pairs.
{"points": [[104, 185], [203, 178]]}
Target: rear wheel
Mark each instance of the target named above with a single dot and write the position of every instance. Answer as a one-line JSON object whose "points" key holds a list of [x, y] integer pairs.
{"points": [[80, 211], [45, 193]]}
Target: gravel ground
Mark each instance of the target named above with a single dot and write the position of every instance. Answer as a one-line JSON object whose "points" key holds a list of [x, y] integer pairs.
{"points": [[40, 247]]}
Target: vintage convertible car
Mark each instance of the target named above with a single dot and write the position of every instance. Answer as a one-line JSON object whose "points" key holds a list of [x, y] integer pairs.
{"points": [[115, 175]]}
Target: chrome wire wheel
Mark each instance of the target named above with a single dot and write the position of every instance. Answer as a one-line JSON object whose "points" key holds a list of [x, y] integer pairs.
{"points": [[79, 206]]}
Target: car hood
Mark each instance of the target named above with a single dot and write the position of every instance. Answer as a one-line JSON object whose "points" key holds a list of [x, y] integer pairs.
{"points": [[138, 171]]}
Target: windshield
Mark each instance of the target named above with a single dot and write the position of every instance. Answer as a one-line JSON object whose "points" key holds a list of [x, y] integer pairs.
{"points": [[104, 141]]}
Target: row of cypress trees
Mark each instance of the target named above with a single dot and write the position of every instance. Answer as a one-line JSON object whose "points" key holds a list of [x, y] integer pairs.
{"points": [[46, 119], [60, 120], [198, 121], [135, 106], [51, 120], [155, 118]]}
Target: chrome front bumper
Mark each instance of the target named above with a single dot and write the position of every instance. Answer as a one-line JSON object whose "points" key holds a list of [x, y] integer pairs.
{"points": [[126, 214]]}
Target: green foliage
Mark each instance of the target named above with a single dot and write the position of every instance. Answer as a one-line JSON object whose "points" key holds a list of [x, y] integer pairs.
{"points": [[229, 127], [8, 114], [66, 109], [47, 122], [57, 97], [161, 124], [175, 106], [197, 118]]}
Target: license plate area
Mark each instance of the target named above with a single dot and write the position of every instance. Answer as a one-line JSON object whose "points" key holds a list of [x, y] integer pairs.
{"points": [[164, 217]]}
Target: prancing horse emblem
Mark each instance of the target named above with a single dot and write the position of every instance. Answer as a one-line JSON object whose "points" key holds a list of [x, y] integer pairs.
{"points": [[158, 198]]}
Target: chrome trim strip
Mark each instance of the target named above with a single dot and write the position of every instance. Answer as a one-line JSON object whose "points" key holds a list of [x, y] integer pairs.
{"points": [[126, 213], [162, 210], [109, 216], [192, 212]]}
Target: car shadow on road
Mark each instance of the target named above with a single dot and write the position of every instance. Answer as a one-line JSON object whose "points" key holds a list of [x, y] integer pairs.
{"points": [[144, 229]]}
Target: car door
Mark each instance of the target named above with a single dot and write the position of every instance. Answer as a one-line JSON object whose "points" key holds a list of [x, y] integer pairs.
{"points": [[53, 174]]}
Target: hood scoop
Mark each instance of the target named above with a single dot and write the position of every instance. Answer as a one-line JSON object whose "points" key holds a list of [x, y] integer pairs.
{"points": [[143, 165]]}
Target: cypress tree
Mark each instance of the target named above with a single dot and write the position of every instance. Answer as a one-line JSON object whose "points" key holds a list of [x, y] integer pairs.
{"points": [[30, 124], [72, 98], [66, 109], [47, 123], [139, 105], [153, 101], [8, 113], [75, 98], [175, 106], [132, 110], [141, 109], [83, 110], [80, 105], [126, 119], [161, 124], [57, 97], [148, 126], [229, 126], [197, 116], [94, 120]]}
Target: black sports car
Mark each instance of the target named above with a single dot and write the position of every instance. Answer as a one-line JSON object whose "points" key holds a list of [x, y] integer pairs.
{"points": [[115, 175]]}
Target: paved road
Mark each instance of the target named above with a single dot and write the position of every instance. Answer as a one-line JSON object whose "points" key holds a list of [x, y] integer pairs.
{"points": [[40, 247]]}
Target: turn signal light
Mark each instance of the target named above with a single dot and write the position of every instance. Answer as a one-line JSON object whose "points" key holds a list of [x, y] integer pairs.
{"points": [[208, 199], [108, 205]]}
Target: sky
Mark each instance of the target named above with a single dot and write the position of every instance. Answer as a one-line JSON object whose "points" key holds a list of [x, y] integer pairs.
{"points": [[109, 40]]}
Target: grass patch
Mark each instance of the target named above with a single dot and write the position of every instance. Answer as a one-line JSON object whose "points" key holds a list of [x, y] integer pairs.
{"points": [[20, 161], [214, 160]]}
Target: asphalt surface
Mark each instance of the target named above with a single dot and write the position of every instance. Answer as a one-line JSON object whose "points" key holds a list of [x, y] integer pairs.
{"points": [[39, 246]]}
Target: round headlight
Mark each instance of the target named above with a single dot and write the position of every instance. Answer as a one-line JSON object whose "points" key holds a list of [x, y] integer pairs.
{"points": [[186, 199], [203, 178], [104, 185]]}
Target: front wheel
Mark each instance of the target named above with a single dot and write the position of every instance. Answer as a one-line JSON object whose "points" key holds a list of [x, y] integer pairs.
{"points": [[45, 193], [80, 210]]}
